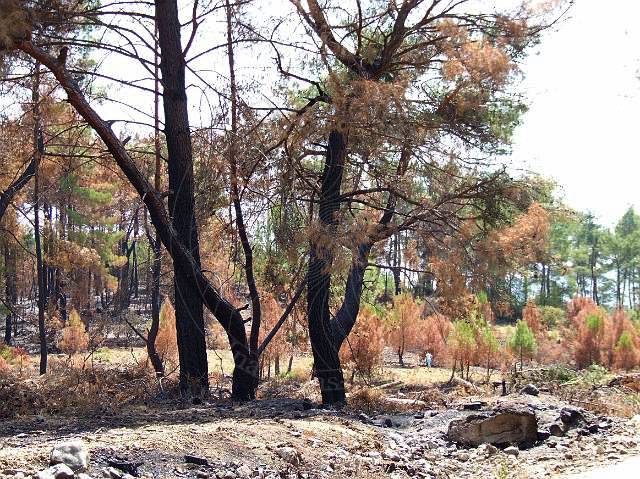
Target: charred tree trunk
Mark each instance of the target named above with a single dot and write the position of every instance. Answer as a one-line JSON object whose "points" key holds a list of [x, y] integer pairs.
{"points": [[40, 267], [7, 196], [250, 373], [228, 317], [156, 266], [192, 352], [11, 297], [396, 266], [321, 333]]}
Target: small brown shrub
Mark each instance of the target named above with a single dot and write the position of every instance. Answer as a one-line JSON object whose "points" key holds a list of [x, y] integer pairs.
{"points": [[74, 335], [166, 342], [362, 352]]}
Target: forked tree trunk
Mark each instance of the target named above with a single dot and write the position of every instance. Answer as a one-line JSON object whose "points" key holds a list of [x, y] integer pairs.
{"points": [[321, 333], [246, 367]]}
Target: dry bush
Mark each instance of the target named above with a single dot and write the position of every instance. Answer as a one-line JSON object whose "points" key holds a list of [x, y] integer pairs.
{"points": [[432, 337], [622, 342], [589, 324], [5, 369], [577, 304], [74, 335], [626, 355], [166, 341], [271, 313], [368, 400], [551, 349], [532, 316], [14, 360], [404, 324], [70, 389], [362, 352]]}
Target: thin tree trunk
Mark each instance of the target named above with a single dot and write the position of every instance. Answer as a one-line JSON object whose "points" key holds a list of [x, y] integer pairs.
{"points": [[290, 365], [256, 315], [156, 265], [42, 295], [396, 265], [11, 297], [453, 369], [618, 298]]}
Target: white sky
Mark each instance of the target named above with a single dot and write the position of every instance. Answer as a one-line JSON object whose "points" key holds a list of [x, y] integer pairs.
{"points": [[583, 88], [582, 85]]}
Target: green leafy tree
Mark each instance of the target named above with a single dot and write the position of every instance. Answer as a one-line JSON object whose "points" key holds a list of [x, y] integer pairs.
{"points": [[523, 342]]}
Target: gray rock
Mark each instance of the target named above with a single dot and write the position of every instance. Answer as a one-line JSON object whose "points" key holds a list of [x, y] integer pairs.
{"points": [[488, 449], [502, 426], [58, 471], [290, 455], [512, 451], [113, 473], [571, 415], [391, 455], [244, 471], [558, 429], [530, 389], [73, 453]]}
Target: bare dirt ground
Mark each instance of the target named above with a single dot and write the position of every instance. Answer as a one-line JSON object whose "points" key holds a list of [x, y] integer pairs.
{"points": [[254, 440], [285, 436]]}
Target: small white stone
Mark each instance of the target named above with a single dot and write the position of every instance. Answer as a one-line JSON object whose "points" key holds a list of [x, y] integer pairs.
{"points": [[58, 471], [512, 451], [73, 453]]}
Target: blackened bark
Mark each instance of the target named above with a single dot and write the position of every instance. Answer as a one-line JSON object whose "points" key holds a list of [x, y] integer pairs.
{"points": [[192, 352], [256, 313], [346, 316], [42, 295], [156, 267], [396, 265], [7, 196], [594, 277], [321, 332], [40, 267], [228, 317], [11, 291]]}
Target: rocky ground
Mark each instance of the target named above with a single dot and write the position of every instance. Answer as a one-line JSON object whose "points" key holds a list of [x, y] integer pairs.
{"points": [[283, 438]]}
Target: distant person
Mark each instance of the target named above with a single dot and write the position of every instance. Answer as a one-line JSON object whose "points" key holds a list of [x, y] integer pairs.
{"points": [[427, 359]]}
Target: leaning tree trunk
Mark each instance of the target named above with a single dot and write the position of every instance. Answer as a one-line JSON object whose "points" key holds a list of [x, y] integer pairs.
{"points": [[192, 351], [228, 316], [321, 333]]}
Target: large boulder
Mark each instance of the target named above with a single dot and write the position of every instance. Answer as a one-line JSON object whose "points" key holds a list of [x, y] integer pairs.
{"points": [[499, 427], [73, 453]]}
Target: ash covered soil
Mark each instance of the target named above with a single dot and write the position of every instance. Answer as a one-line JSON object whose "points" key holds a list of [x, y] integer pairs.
{"points": [[287, 438]]}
